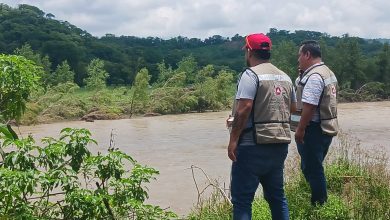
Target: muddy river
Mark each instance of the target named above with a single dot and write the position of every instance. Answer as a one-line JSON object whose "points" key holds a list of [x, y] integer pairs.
{"points": [[173, 143]]}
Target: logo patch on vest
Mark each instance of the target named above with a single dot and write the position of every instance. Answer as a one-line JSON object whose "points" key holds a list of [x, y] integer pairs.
{"points": [[278, 91], [333, 90]]}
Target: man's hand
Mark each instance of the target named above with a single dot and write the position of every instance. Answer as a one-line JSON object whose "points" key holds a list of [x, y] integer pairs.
{"points": [[307, 113], [244, 107], [229, 121], [299, 134], [232, 150]]}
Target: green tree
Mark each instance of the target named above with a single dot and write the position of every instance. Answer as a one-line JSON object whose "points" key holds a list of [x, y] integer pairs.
{"points": [[189, 67], [350, 66], [284, 56], [214, 93], [39, 60], [140, 88], [224, 87], [164, 72], [18, 77], [31, 9], [97, 75], [204, 73], [62, 74], [177, 80], [203, 87], [383, 63]]}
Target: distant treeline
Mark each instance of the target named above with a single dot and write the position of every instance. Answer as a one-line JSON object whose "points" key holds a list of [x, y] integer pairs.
{"points": [[355, 61]]}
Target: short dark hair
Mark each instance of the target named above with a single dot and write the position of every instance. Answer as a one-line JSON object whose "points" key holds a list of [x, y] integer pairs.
{"points": [[262, 54], [311, 46]]}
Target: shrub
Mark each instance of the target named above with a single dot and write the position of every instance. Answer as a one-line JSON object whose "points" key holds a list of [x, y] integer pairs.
{"points": [[63, 180]]}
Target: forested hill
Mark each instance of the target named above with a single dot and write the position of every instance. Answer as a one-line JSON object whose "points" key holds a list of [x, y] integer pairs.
{"points": [[124, 56]]}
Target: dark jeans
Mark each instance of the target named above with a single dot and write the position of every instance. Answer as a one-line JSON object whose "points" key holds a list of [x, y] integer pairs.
{"points": [[313, 152], [259, 164]]}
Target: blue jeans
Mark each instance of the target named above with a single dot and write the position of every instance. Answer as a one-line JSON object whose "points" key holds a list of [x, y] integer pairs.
{"points": [[313, 152], [259, 164]]}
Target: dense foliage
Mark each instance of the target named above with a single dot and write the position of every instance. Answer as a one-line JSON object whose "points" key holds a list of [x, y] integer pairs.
{"points": [[153, 75], [63, 180], [211, 90], [356, 61], [18, 77]]}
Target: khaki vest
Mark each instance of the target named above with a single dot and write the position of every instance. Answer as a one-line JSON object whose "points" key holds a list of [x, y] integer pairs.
{"points": [[271, 106], [328, 101]]}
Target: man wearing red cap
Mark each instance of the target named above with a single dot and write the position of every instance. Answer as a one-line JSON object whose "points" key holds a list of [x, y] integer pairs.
{"points": [[260, 131]]}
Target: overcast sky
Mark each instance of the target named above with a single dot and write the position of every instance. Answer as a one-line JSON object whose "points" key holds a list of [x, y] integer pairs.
{"points": [[204, 18]]}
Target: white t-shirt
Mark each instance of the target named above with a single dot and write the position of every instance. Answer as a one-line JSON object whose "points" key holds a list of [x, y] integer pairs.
{"points": [[312, 92]]}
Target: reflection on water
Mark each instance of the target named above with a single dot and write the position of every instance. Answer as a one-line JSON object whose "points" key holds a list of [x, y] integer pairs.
{"points": [[173, 143]]}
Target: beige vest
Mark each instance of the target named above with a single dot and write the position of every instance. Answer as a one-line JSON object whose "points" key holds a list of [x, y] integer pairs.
{"points": [[328, 101], [271, 106]]}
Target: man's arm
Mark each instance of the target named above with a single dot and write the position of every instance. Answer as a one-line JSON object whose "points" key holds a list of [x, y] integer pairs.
{"points": [[307, 113], [244, 108], [293, 107]]}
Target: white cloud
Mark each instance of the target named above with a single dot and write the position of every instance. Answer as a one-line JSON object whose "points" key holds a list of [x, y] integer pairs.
{"points": [[204, 18]]}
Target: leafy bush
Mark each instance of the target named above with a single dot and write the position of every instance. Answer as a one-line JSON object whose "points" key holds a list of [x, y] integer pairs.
{"points": [[19, 77], [63, 180], [372, 91], [168, 100]]}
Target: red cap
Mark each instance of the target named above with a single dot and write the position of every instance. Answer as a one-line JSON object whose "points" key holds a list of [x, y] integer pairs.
{"points": [[258, 42]]}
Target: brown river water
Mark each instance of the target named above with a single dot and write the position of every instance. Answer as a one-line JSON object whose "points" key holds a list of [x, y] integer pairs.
{"points": [[173, 143]]}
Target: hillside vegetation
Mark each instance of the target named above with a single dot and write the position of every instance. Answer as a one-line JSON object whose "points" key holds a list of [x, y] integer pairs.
{"points": [[118, 76]]}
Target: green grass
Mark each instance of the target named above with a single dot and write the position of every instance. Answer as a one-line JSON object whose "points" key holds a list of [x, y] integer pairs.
{"points": [[358, 188]]}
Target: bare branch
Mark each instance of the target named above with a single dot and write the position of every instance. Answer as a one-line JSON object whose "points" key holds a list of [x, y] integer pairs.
{"points": [[221, 190]]}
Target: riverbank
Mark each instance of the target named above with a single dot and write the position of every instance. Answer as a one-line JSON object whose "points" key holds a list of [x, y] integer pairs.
{"points": [[358, 186], [95, 114], [68, 102], [172, 143]]}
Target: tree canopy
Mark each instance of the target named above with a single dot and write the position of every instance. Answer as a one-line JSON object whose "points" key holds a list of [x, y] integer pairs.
{"points": [[38, 36]]}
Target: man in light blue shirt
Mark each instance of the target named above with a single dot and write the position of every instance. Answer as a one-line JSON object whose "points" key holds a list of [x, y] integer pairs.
{"points": [[317, 105]]}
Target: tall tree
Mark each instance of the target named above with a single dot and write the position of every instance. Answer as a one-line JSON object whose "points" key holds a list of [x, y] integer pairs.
{"points": [[141, 86], [164, 72], [383, 63], [284, 56], [350, 64], [188, 66], [38, 59], [62, 74], [97, 75]]}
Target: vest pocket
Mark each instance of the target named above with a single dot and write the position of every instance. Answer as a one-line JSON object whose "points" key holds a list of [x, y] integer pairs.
{"points": [[272, 133]]}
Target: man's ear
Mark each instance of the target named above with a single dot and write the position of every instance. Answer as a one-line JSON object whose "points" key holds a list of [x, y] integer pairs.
{"points": [[249, 52], [308, 55]]}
